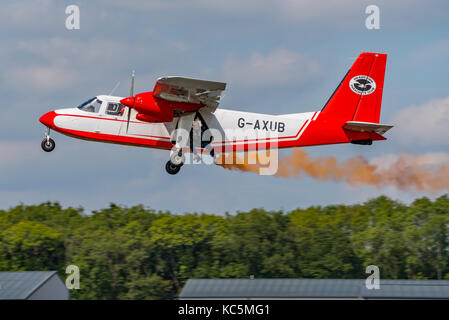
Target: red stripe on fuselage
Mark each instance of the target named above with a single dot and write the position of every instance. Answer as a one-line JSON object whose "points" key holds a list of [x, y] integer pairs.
{"points": [[109, 138], [278, 138], [100, 118]]}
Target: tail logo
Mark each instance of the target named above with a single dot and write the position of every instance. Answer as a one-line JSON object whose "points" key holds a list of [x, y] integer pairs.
{"points": [[362, 85]]}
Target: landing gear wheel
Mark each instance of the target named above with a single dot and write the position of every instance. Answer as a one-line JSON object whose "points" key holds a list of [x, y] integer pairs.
{"points": [[48, 145], [171, 168]]}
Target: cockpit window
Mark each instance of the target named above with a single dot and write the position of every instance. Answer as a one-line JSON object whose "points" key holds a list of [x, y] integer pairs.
{"points": [[85, 103], [91, 105]]}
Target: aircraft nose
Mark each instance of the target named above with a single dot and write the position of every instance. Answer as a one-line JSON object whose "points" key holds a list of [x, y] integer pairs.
{"points": [[48, 119]]}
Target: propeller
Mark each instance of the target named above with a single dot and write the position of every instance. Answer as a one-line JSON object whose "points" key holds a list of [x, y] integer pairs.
{"points": [[131, 97], [131, 94]]}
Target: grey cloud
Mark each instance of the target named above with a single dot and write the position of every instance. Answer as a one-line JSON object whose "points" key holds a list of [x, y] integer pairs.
{"points": [[280, 67], [425, 124]]}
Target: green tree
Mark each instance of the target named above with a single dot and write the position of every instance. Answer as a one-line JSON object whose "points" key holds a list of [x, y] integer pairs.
{"points": [[137, 253], [182, 244], [255, 243], [428, 238], [380, 238], [31, 245], [323, 243]]}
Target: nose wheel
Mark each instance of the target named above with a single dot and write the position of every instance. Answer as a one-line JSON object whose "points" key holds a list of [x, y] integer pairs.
{"points": [[48, 144]]}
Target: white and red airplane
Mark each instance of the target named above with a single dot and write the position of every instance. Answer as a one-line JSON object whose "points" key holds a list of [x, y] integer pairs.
{"points": [[154, 119]]}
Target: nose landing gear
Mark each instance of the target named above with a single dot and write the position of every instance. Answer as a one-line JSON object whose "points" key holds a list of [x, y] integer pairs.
{"points": [[48, 144]]}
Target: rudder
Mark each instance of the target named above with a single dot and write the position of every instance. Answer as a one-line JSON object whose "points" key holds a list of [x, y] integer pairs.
{"points": [[359, 95]]}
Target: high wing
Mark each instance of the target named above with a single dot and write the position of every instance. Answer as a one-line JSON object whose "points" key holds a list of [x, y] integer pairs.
{"points": [[189, 90]]}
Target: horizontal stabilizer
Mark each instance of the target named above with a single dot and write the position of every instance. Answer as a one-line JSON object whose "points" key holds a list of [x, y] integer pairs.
{"points": [[367, 127]]}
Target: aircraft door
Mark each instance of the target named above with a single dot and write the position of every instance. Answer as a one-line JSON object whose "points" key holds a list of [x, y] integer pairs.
{"points": [[112, 118]]}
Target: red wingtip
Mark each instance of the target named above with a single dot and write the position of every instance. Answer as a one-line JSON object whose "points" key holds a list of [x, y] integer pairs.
{"points": [[129, 102]]}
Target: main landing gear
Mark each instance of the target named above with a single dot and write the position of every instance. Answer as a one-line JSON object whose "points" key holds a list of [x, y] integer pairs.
{"points": [[48, 144], [180, 140], [175, 163]]}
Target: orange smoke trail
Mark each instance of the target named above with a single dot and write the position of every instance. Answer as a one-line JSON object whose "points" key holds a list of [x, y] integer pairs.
{"points": [[406, 171]]}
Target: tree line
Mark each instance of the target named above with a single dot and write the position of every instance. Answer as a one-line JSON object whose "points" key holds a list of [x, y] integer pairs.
{"points": [[139, 253]]}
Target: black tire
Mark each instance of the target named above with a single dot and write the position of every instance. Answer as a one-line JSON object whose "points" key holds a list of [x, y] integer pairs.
{"points": [[48, 146], [177, 159], [171, 168]]}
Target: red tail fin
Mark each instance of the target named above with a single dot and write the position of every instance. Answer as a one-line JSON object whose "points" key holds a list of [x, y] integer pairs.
{"points": [[359, 95], [354, 105]]}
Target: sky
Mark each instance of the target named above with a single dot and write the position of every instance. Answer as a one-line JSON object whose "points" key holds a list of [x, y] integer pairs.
{"points": [[277, 57]]}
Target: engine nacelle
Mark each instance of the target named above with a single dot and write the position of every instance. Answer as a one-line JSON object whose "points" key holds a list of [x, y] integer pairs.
{"points": [[148, 108], [147, 118]]}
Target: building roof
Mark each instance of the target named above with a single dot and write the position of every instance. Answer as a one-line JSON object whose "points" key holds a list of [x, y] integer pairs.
{"points": [[314, 288], [19, 285]]}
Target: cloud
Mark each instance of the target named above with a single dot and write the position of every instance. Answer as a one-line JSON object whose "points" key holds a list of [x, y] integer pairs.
{"points": [[433, 158], [57, 63], [303, 10], [434, 52], [26, 14], [199, 7], [281, 67], [426, 124], [344, 14], [15, 153], [43, 78], [350, 13]]}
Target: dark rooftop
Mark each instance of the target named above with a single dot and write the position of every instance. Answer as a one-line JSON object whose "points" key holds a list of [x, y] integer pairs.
{"points": [[314, 288], [21, 284]]}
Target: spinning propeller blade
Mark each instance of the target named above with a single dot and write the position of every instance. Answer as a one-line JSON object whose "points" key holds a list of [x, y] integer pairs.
{"points": [[131, 94]]}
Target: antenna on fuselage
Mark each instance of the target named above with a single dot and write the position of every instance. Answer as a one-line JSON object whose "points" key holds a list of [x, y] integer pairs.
{"points": [[112, 91]]}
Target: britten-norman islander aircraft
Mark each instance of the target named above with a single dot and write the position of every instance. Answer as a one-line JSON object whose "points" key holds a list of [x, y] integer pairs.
{"points": [[151, 119]]}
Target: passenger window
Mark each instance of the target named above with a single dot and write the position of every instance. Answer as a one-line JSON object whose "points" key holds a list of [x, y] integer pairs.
{"points": [[114, 108]]}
